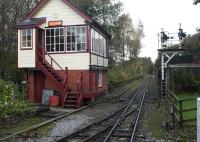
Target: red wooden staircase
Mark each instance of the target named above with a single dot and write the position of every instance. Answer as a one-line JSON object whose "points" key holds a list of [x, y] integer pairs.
{"points": [[68, 98]]}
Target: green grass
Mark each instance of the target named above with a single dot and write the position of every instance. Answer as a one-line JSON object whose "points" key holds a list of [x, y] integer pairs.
{"points": [[5, 130], [188, 104], [154, 121]]}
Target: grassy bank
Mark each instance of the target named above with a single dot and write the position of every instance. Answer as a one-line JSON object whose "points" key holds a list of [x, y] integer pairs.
{"points": [[188, 105]]}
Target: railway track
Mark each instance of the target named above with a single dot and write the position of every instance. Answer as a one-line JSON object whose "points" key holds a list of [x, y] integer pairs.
{"points": [[125, 128], [33, 133], [94, 131]]}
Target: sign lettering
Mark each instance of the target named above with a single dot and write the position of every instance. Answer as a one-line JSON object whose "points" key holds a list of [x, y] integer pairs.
{"points": [[55, 23]]}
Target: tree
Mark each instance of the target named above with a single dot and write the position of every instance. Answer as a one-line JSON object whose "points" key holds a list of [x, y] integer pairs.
{"points": [[135, 44], [11, 12], [196, 2], [106, 12], [127, 38]]}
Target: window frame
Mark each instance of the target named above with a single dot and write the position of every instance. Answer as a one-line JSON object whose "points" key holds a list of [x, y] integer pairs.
{"points": [[98, 45], [66, 41], [76, 43], [55, 43], [26, 41]]}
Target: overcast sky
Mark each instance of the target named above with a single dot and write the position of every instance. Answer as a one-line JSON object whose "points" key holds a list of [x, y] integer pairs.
{"points": [[157, 14]]}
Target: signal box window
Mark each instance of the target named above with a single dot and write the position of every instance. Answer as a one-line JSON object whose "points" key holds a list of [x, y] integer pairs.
{"points": [[76, 38], [26, 38], [55, 39]]}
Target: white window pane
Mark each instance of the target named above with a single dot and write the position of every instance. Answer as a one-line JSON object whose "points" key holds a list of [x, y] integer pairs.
{"points": [[28, 43], [48, 48], [61, 31], [23, 38], [47, 40], [68, 47], [83, 38], [78, 46], [57, 31], [57, 47], [57, 39], [69, 39], [26, 38], [52, 32], [29, 37], [83, 30], [23, 32], [48, 32], [73, 30], [78, 30], [62, 39], [29, 32], [83, 46], [23, 44], [62, 47], [78, 39], [73, 38], [52, 48], [73, 47]]}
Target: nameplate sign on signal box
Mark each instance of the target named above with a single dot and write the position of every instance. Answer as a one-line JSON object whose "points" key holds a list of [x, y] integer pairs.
{"points": [[55, 23]]}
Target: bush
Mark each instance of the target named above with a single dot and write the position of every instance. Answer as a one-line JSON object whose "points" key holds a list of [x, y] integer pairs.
{"points": [[11, 100], [185, 81]]}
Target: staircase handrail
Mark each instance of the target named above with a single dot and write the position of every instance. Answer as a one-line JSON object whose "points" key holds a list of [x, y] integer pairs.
{"points": [[44, 60], [52, 60], [40, 52]]}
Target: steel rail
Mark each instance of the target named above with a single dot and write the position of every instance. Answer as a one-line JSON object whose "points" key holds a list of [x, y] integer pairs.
{"points": [[138, 116], [52, 120], [122, 116], [79, 131], [94, 123], [47, 122], [106, 128]]}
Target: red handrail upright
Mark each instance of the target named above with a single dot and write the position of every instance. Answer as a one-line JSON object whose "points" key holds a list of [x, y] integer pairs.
{"points": [[65, 86], [80, 91]]}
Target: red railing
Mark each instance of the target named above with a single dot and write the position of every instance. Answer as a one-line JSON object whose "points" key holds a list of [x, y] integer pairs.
{"points": [[42, 58], [80, 90], [65, 85]]}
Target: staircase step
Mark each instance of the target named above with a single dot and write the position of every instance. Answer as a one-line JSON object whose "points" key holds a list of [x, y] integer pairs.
{"points": [[70, 106], [71, 97], [71, 101], [72, 93]]}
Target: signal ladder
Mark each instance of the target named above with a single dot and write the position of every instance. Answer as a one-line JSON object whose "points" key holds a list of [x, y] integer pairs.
{"points": [[164, 89]]}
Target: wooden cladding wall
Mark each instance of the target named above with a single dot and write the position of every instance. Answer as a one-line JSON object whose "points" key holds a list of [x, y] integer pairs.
{"points": [[57, 10], [74, 61], [26, 57]]}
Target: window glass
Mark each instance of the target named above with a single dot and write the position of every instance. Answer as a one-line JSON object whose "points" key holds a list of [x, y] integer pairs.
{"points": [[92, 40], [55, 39], [104, 47], [76, 38], [26, 38], [98, 43]]}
